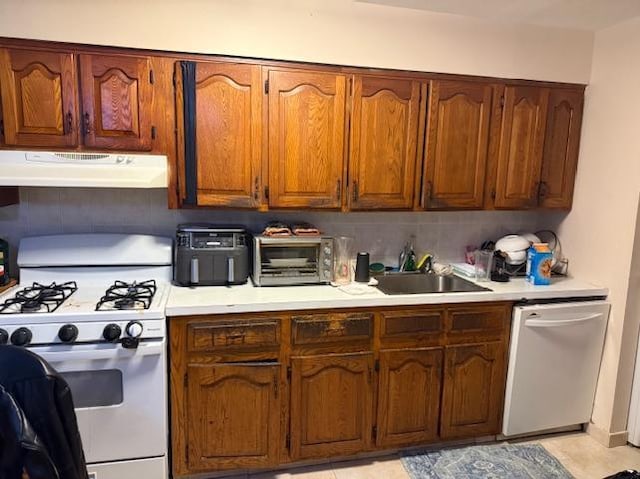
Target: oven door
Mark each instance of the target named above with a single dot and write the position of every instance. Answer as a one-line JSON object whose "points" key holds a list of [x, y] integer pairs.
{"points": [[292, 262], [119, 397]]}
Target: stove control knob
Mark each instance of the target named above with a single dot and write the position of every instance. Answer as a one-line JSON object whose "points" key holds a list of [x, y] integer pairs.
{"points": [[134, 329], [4, 336], [68, 333], [111, 332], [21, 337]]}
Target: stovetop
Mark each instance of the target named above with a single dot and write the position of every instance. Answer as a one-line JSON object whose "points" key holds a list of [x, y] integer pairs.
{"points": [[38, 298], [70, 301]]}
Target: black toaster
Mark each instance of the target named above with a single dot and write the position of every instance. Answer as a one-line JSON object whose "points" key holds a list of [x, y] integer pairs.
{"points": [[206, 255]]}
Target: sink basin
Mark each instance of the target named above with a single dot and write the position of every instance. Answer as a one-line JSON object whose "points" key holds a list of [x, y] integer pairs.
{"points": [[419, 283]]}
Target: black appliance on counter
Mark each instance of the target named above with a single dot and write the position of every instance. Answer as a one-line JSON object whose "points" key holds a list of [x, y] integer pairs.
{"points": [[207, 255]]}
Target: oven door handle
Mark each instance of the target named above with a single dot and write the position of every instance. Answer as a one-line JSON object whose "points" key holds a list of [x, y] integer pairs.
{"points": [[143, 349]]}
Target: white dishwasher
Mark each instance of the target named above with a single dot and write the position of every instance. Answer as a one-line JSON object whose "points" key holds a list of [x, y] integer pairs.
{"points": [[554, 361]]}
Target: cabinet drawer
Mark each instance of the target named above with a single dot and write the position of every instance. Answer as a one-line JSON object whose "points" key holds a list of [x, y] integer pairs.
{"points": [[477, 323], [233, 334], [412, 326], [324, 328]]}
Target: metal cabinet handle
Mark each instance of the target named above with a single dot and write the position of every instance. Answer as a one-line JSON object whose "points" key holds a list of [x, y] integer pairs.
{"points": [[356, 193], [68, 125], [256, 189], [87, 124], [542, 190], [339, 189]]}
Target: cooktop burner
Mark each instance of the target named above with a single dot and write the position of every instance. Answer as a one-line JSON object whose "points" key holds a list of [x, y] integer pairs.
{"points": [[38, 298], [121, 295]]}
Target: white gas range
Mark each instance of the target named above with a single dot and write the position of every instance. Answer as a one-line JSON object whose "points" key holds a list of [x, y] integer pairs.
{"points": [[93, 306]]}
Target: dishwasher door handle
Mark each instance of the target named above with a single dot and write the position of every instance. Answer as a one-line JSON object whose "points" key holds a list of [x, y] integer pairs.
{"points": [[557, 323]]}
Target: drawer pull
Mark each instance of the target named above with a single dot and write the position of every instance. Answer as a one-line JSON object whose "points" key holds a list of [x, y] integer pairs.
{"points": [[335, 329], [235, 338]]}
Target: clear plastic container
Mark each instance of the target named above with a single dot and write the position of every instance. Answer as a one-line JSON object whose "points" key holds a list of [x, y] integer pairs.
{"points": [[483, 264], [343, 254]]}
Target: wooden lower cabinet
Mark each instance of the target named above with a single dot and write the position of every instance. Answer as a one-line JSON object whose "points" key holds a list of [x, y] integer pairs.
{"points": [[331, 403], [233, 416], [258, 390], [473, 390], [408, 396]]}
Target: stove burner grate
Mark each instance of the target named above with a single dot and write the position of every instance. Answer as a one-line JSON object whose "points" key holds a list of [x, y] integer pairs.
{"points": [[39, 298], [123, 295]]}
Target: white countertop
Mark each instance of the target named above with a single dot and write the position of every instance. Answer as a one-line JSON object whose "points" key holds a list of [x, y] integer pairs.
{"points": [[246, 298]]}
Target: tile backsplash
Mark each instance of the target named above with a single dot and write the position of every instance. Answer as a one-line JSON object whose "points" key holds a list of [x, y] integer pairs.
{"points": [[85, 210]]}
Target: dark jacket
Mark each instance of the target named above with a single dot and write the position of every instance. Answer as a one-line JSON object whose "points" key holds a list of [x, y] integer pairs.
{"points": [[45, 398], [20, 447]]}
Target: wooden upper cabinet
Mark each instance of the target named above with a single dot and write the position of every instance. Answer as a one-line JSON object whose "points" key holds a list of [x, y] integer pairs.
{"points": [[473, 390], [306, 139], [38, 98], [117, 101], [228, 134], [409, 396], [457, 143], [383, 144], [520, 147], [233, 415], [331, 404], [561, 147]]}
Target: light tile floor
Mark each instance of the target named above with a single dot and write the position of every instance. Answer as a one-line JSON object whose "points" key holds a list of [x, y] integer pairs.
{"points": [[578, 452]]}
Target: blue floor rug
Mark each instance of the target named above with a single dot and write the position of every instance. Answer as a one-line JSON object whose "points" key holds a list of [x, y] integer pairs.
{"points": [[526, 461]]}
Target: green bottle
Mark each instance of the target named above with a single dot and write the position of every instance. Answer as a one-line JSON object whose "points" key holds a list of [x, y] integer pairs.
{"points": [[4, 262]]}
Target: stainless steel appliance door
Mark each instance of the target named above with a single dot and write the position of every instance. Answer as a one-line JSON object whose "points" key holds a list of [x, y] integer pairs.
{"points": [[119, 395]]}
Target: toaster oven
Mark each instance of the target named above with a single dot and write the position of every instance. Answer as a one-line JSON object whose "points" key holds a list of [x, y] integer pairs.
{"points": [[292, 260]]}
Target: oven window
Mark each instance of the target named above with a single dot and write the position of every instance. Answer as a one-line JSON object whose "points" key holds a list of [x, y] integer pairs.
{"points": [[290, 256], [95, 388]]}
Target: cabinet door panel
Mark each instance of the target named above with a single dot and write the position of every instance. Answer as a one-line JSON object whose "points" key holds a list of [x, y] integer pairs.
{"points": [[228, 136], [384, 130], [233, 415], [409, 396], [561, 147], [38, 98], [474, 379], [457, 144], [520, 148], [116, 102], [306, 139], [331, 400]]}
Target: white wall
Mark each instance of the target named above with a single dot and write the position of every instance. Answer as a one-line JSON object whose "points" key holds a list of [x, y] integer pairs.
{"points": [[329, 31], [598, 234]]}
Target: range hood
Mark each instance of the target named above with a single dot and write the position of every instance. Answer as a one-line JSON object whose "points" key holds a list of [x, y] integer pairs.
{"points": [[80, 169]]}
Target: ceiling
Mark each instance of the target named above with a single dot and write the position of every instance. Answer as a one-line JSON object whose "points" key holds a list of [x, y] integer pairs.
{"points": [[580, 14]]}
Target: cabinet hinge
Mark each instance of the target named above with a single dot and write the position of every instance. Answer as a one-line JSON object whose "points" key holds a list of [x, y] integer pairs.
{"points": [[374, 433], [377, 365], [288, 442], [289, 373], [151, 77], [186, 380], [266, 86], [153, 132], [266, 192]]}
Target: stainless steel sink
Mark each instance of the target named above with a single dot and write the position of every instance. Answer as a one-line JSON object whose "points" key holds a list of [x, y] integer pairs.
{"points": [[420, 283]]}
